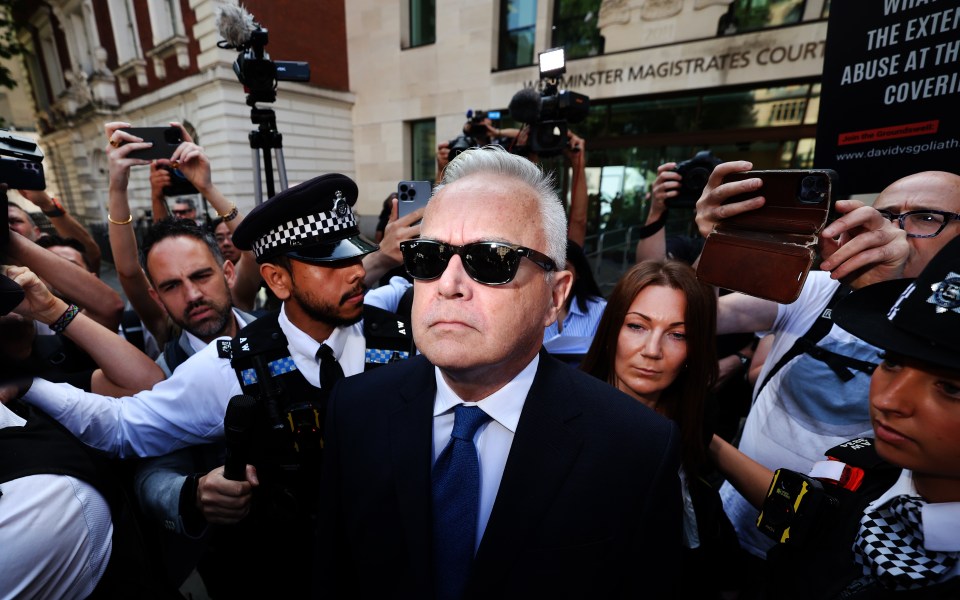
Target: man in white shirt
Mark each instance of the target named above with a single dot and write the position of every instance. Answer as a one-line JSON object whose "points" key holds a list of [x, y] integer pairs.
{"points": [[793, 419]]}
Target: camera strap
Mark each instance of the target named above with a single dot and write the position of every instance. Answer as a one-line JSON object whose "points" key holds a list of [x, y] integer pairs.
{"points": [[820, 328]]}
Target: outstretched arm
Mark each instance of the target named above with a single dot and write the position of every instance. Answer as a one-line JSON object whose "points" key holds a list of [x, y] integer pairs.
{"points": [[665, 186], [159, 179], [749, 477], [66, 225], [389, 256], [123, 242], [576, 153], [195, 166], [75, 283], [123, 368]]}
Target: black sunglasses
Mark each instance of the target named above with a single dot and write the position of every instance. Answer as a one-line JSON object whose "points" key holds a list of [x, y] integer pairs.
{"points": [[489, 263]]}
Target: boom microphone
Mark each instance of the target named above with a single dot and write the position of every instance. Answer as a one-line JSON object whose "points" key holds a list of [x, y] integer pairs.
{"points": [[238, 425], [525, 106], [235, 25]]}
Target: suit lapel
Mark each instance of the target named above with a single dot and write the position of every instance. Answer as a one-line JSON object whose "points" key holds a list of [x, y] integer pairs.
{"points": [[411, 441], [544, 448]]}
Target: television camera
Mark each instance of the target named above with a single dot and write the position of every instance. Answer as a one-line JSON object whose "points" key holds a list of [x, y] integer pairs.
{"points": [[548, 113]]}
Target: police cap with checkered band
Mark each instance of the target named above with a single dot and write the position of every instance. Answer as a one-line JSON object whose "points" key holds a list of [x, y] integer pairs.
{"points": [[311, 222], [916, 318]]}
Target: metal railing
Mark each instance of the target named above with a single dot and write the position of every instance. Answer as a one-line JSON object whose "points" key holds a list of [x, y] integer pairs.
{"points": [[611, 253]]}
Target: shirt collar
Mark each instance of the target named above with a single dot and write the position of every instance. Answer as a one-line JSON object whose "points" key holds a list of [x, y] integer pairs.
{"points": [[575, 308], [503, 406], [302, 345], [940, 520], [197, 344]]}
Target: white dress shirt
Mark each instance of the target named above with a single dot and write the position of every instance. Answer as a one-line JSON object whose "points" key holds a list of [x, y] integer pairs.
{"points": [[196, 344], [939, 521], [493, 439], [55, 534], [185, 409]]}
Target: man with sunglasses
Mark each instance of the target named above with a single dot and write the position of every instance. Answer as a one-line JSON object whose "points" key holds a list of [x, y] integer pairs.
{"points": [[792, 418], [185, 208], [485, 467]]}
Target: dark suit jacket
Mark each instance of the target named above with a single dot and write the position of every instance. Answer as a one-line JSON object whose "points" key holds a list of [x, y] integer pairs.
{"points": [[589, 504]]}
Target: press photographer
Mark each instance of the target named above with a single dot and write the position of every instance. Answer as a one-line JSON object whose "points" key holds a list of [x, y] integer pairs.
{"points": [[678, 185], [480, 131]]}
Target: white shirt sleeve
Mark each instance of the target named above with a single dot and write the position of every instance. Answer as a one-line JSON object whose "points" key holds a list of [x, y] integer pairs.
{"points": [[184, 410], [388, 296]]}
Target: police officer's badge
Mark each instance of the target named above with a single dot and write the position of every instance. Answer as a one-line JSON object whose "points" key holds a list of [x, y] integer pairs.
{"points": [[340, 204], [946, 294]]}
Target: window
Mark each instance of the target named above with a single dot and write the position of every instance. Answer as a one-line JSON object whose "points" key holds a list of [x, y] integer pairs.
{"points": [[165, 20], [124, 31], [518, 25], [575, 28], [51, 60], [773, 127], [423, 150], [751, 15], [423, 23], [169, 36]]}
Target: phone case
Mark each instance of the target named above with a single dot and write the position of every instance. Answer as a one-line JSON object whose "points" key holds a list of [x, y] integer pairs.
{"points": [[165, 140], [412, 195], [768, 252]]}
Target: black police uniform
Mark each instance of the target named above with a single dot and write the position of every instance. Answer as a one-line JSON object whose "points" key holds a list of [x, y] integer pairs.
{"points": [[314, 224], [821, 565]]}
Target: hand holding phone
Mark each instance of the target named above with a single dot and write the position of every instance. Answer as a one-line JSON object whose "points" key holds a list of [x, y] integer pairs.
{"points": [[767, 252], [412, 195], [165, 141]]}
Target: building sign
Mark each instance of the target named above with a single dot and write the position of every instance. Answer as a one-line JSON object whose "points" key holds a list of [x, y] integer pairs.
{"points": [[764, 56], [891, 87]]}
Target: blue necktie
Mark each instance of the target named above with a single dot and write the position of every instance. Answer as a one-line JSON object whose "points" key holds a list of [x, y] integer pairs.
{"points": [[456, 497]]}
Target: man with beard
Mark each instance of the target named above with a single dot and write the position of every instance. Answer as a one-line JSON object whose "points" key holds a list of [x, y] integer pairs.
{"points": [[191, 280], [310, 253]]}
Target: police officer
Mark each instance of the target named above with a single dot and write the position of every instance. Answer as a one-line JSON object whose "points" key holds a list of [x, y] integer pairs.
{"points": [[881, 517], [308, 245]]}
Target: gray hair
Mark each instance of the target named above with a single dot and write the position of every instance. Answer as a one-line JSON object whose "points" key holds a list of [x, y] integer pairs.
{"points": [[191, 204], [494, 160]]}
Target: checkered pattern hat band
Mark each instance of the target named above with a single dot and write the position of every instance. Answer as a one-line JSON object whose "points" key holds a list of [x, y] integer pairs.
{"points": [[305, 231]]}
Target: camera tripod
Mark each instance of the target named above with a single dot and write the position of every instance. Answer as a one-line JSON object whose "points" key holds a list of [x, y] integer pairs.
{"points": [[262, 140]]}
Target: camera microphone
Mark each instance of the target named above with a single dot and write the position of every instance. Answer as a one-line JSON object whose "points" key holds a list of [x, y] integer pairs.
{"points": [[238, 425], [235, 25], [525, 106]]}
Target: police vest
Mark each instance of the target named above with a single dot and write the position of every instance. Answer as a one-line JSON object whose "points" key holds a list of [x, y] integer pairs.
{"points": [[287, 440], [821, 564]]}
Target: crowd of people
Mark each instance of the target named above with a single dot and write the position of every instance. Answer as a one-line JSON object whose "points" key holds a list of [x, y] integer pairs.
{"points": [[457, 411]]}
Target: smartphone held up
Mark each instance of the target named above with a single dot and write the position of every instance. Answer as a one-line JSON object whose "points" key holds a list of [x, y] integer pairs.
{"points": [[165, 141], [768, 252]]}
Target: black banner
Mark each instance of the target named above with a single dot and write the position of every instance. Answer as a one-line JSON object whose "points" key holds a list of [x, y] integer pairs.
{"points": [[890, 102]]}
